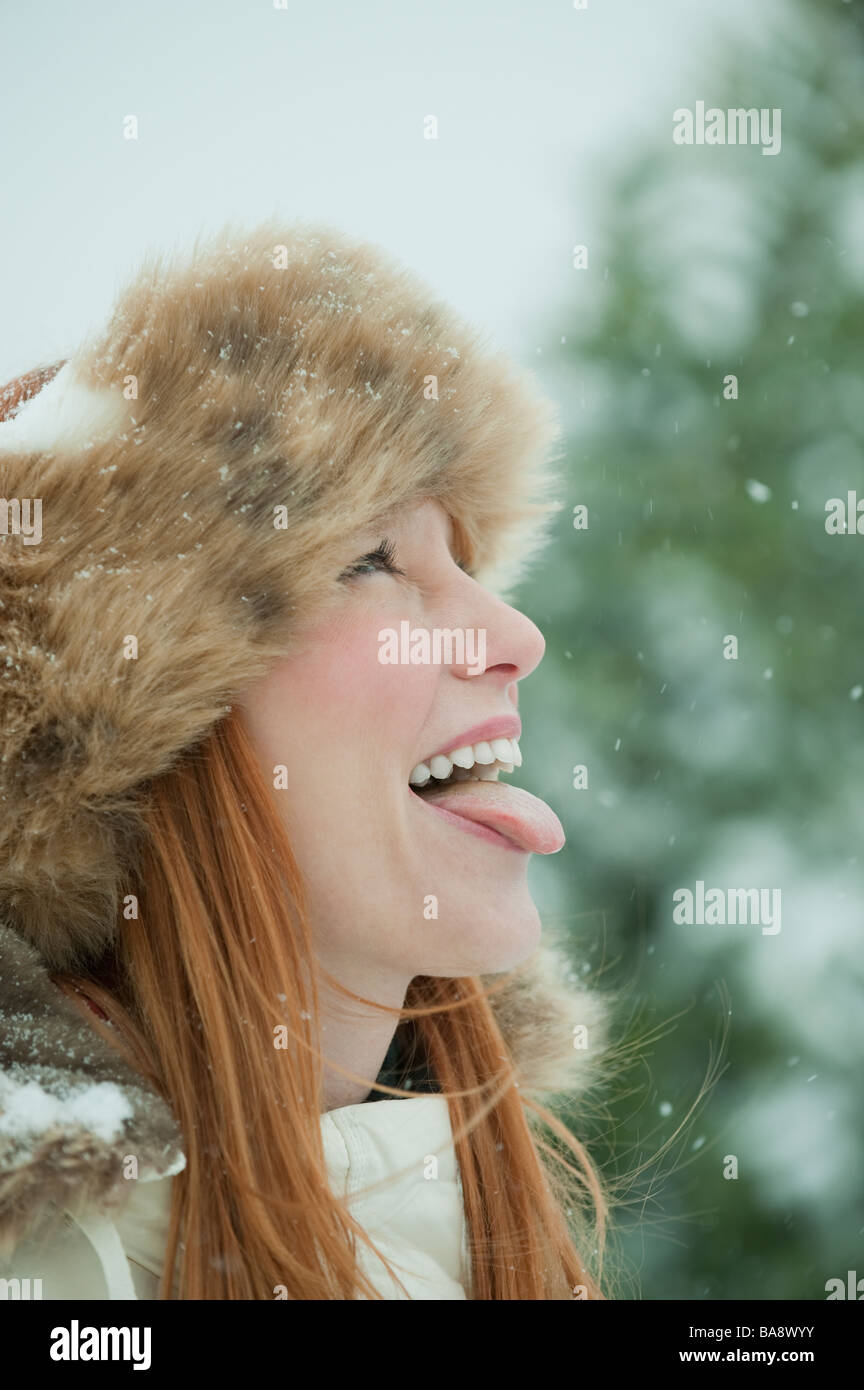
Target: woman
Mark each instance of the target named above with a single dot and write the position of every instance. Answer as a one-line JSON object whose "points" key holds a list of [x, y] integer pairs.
{"points": [[256, 868]]}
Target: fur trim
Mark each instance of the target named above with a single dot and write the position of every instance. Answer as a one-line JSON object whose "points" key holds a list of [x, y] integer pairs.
{"points": [[71, 1111], [285, 367], [538, 1011]]}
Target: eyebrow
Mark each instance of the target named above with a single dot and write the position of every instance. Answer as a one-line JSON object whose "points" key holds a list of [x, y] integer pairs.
{"points": [[385, 519]]}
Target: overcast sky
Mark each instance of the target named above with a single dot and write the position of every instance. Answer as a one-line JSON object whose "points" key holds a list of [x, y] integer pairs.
{"points": [[316, 111]]}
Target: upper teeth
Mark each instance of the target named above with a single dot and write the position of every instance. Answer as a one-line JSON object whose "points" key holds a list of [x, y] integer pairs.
{"points": [[500, 755]]}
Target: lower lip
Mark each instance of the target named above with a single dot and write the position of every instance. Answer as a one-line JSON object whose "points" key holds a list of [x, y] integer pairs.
{"points": [[472, 827]]}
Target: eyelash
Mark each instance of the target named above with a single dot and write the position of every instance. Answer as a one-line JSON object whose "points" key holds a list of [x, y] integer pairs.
{"points": [[380, 560]]}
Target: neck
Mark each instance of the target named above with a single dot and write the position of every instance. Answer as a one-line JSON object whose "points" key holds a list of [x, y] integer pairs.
{"points": [[354, 1036]]}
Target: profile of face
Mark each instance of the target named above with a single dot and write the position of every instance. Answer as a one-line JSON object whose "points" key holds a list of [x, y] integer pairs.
{"points": [[414, 856]]}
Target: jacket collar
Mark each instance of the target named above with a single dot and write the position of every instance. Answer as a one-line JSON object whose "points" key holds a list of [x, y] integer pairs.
{"points": [[72, 1111]]}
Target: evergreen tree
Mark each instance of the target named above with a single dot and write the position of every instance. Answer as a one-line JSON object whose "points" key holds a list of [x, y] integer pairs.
{"points": [[712, 381]]}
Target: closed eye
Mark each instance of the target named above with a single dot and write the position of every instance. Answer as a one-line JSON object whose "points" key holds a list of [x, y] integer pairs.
{"points": [[381, 560]]}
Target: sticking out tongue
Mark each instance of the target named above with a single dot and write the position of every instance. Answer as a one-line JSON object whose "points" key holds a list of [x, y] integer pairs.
{"points": [[511, 811]]}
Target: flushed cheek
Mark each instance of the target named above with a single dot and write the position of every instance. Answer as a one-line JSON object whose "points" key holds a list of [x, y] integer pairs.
{"points": [[359, 699], [350, 730]]}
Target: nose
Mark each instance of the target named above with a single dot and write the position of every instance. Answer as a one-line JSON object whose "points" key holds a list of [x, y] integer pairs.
{"points": [[507, 646]]}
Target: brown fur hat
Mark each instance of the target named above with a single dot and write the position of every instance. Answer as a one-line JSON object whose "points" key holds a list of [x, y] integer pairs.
{"points": [[200, 463]]}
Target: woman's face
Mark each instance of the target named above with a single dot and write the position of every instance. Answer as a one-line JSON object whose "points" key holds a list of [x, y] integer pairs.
{"points": [[404, 882]]}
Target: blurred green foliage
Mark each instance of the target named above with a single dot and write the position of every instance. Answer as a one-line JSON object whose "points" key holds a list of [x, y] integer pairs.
{"points": [[706, 518]]}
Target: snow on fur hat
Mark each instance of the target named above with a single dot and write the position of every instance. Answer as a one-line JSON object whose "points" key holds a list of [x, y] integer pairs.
{"points": [[199, 463]]}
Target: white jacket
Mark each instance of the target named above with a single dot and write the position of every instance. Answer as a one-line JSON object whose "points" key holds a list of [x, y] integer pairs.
{"points": [[416, 1222]]}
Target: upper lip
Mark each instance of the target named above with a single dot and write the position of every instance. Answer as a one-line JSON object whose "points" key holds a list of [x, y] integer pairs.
{"points": [[505, 726]]}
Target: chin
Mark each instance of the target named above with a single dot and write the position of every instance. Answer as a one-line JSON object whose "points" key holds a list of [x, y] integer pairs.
{"points": [[488, 937]]}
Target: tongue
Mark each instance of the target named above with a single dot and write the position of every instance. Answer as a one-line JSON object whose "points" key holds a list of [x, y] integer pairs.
{"points": [[510, 810]]}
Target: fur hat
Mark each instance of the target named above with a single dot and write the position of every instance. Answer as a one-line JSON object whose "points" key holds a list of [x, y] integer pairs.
{"points": [[199, 462]]}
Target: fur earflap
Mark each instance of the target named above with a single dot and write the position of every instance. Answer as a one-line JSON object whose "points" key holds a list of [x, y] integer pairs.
{"points": [[72, 1112], [200, 465]]}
